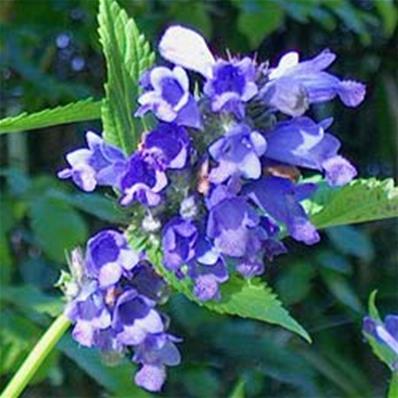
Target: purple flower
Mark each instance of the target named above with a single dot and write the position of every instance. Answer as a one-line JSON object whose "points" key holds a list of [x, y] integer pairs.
{"points": [[134, 317], [179, 240], [108, 256], [99, 164], [386, 333], [293, 85], [143, 181], [89, 313], [169, 145], [280, 198], [156, 351], [231, 85], [302, 142], [169, 98], [237, 152], [232, 224], [207, 270]]}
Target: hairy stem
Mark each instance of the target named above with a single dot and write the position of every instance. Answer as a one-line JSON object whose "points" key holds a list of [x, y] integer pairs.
{"points": [[36, 357]]}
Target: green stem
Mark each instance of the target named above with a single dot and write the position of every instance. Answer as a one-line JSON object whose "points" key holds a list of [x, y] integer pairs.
{"points": [[36, 357]]}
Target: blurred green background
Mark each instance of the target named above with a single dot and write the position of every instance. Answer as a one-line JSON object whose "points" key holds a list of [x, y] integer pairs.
{"points": [[50, 56]]}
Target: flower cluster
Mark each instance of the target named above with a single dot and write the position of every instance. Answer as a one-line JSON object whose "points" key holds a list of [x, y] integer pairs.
{"points": [[112, 304], [216, 181]]}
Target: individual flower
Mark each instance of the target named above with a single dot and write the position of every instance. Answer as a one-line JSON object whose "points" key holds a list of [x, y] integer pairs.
{"points": [[167, 96], [229, 83], [143, 181], [232, 83], [108, 256], [207, 270], [179, 238], [134, 317], [232, 224], [169, 145], [386, 333], [280, 198], [99, 164], [237, 152], [89, 313], [302, 142], [293, 85], [154, 353]]}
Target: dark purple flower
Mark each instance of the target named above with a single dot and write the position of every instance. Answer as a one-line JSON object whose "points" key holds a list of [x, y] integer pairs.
{"points": [[108, 256], [293, 85], [143, 181], [232, 83], [280, 198], [99, 164], [154, 353], [89, 313], [169, 145], [386, 333], [302, 142], [178, 242], [169, 97], [232, 224], [134, 317], [237, 152]]}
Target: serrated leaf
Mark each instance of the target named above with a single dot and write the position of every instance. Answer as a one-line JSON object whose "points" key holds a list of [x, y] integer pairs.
{"points": [[127, 56], [247, 299], [360, 201], [79, 111]]}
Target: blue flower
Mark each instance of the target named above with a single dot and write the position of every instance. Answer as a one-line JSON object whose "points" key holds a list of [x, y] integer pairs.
{"points": [[280, 198], [302, 142], [134, 317], [169, 145], [168, 97], [229, 83], [143, 181], [99, 164], [108, 256], [179, 238], [232, 224], [293, 85], [237, 152], [386, 333], [89, 313], [156, 351]]}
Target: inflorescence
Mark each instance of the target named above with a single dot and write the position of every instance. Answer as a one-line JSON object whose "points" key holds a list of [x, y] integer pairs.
{"points": [[216, 181]]}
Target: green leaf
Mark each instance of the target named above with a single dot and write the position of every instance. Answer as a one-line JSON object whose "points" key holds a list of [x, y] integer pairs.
{"points": [[393, 389], [57, 226], [239, 389], [116, 379], [95, 204], [373, 312], [79, 111], [248, 299], [360, 201], [389, 13], [127, 55], [258, 19]]}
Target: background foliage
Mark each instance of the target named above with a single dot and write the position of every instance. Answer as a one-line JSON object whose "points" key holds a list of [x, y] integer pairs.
{"points": [[50, 56]]}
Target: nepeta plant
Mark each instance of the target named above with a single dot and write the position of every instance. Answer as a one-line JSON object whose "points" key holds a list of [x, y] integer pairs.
{"points": [[210, 156], [213, 183]]}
